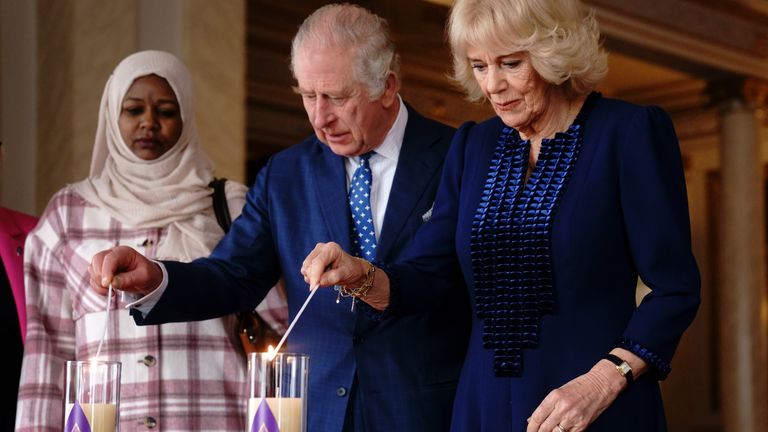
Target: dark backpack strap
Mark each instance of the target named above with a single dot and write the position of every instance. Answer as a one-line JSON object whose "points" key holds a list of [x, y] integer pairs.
{"points": [[220, 207]]}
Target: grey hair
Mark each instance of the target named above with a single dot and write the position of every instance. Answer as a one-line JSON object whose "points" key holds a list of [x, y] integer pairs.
{"points": [[561, 40], [344, 25]]}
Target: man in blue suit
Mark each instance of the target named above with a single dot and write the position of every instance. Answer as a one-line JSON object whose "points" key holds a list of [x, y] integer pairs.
{"points": [[366, 375]]}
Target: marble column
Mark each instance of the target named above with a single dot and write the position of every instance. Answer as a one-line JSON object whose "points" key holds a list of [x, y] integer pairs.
{"points": [[742, 265]]}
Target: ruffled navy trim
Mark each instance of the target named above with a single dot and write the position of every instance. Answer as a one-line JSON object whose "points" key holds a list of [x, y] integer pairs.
{"points": [[510, 243], [661, 367], [394, 295]]}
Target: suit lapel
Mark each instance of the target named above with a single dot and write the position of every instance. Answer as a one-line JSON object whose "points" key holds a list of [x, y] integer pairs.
{"points": [[416, 166], [330, 183]]}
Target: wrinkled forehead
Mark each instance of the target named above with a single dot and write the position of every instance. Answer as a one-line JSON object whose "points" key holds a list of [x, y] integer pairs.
{"points": [[325, 69]]}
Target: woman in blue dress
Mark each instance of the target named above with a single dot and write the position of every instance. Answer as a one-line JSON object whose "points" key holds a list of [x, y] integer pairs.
{"points": [[552, 210]]}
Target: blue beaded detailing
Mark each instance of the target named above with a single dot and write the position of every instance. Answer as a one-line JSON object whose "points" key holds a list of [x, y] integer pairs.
{"points": [[510, 242], [661, 367]]}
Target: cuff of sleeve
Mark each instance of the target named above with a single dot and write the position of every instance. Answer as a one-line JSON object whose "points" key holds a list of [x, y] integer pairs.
{"points": [[394, 295], [660, 367], [144, 304]]}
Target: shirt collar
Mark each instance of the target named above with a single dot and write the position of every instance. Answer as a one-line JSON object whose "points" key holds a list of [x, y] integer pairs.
{"points": [[393, 141]]}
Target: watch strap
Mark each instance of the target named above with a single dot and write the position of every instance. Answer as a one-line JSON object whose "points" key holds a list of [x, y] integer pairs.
{"points": [[622, 366]]}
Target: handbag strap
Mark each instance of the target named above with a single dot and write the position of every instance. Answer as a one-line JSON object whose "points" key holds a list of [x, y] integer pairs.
{"points": [[220, 207]]}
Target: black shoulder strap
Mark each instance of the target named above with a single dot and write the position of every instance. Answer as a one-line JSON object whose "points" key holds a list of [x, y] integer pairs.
{"points": [[220, 206]]}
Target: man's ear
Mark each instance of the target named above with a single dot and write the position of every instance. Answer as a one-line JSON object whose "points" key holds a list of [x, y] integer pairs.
{"points": [[391, 87]]}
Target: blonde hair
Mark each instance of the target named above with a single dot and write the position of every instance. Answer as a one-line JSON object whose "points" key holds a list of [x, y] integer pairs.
{"points": [[561, 40], [344, 26]]}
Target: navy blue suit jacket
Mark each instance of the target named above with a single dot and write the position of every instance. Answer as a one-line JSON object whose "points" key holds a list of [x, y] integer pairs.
{"points": [[622, 215], [407, 367]]}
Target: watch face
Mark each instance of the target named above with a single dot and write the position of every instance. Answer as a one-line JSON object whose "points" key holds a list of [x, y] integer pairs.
{"points": [[624, 368]]}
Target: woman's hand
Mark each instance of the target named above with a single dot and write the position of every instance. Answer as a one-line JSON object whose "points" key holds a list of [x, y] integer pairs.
{"points": [[574, 406], [329, 265]]}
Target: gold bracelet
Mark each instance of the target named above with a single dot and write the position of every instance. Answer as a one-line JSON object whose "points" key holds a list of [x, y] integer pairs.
{"points": [[362, 290]]}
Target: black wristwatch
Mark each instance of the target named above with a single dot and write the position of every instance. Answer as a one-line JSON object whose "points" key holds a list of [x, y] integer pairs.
{"points": [[622, 366]]}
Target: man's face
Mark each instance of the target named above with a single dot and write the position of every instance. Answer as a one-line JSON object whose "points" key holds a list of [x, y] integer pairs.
{"points": [[339, 108]]}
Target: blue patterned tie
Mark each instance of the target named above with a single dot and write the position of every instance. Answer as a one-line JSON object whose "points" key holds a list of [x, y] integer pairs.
{"points": [[363, 235]]}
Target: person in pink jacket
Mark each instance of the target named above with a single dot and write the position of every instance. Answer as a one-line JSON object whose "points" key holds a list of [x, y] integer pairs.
{"points": [[14, 227]]}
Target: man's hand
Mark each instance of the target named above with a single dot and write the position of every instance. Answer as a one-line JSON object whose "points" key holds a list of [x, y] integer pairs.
{"points": [[126, 269], [329, 265]]}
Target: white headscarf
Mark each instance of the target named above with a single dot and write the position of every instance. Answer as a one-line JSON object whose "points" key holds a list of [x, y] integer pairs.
{"points": [[171, 190]]}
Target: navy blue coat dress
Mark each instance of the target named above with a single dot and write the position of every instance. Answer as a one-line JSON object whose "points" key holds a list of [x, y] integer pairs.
{"points": [[407, 368], [620, 212]]}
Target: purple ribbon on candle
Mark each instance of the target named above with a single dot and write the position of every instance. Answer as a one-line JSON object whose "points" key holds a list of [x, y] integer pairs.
{"points": [[77, 421], [264, 420]]}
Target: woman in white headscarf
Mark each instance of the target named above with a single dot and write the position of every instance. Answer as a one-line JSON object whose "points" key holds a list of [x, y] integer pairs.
{"points": [[149, 189]]}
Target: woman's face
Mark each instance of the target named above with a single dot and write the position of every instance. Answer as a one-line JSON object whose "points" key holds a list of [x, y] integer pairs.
{"points": [[150, 118], [516, 91]]}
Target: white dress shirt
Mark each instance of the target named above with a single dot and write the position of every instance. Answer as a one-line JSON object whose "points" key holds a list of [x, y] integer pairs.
{"points": [[383, 166]]}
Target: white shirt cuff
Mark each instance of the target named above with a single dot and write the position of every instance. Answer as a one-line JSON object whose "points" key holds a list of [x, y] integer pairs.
{"points": [[144, 304]]}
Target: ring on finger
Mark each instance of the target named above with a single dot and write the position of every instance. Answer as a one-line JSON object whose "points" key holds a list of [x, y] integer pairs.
{"points": [[561, 429]]}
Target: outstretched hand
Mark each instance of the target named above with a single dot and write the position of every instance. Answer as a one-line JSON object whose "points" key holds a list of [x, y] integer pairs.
{"points": [[126, 269], [329, 265]]}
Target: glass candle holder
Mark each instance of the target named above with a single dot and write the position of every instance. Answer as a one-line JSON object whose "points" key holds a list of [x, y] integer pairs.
{"points": [[92, 396], [277, 400]]}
